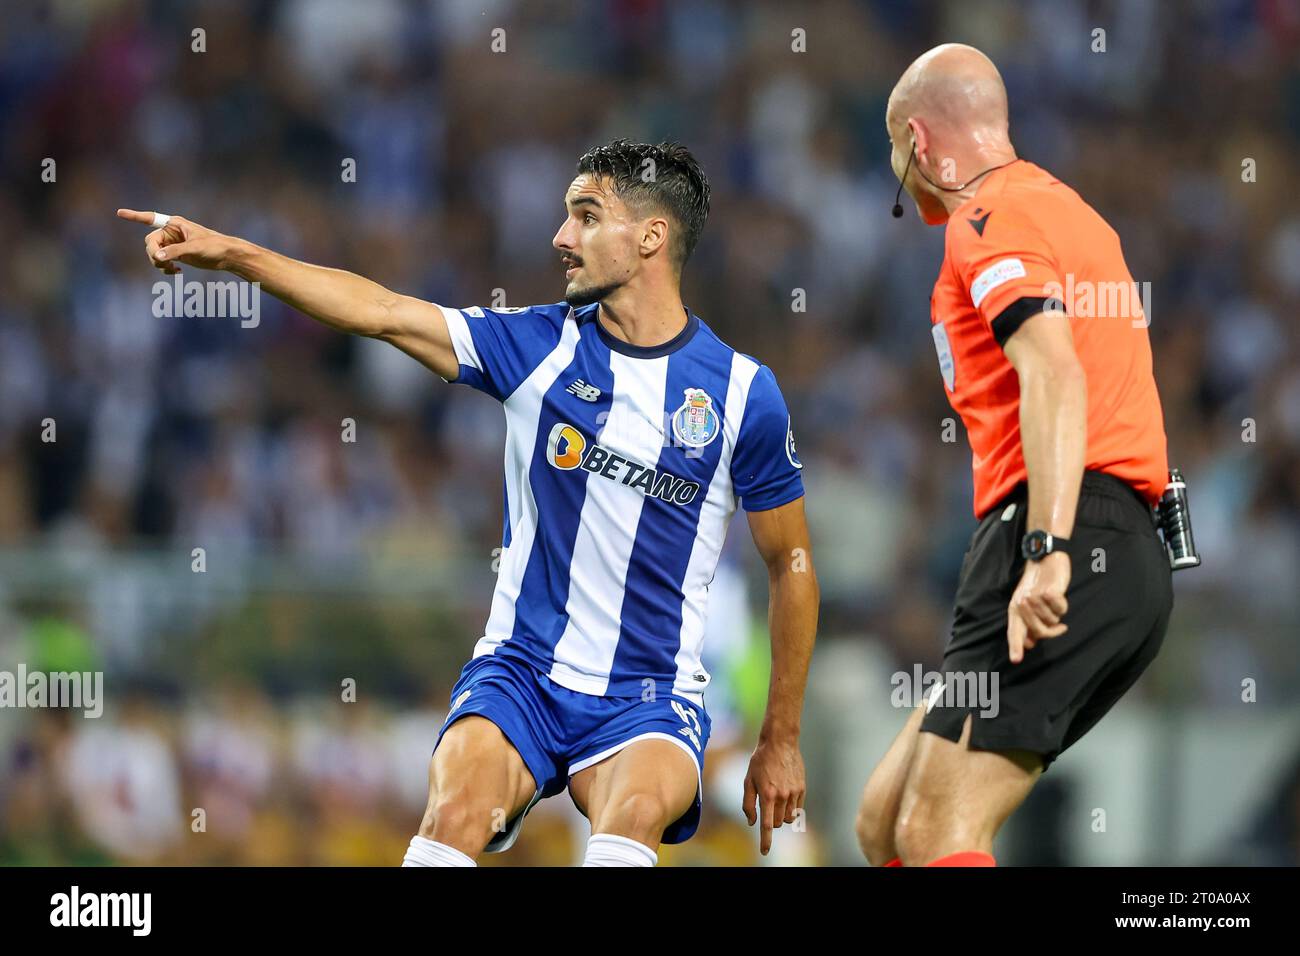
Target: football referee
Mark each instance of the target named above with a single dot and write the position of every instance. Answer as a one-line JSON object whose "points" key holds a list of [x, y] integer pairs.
{"points": [[1065, 593]]}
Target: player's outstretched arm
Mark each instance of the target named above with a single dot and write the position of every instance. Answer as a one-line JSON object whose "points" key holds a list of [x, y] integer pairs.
{"points": [[340, 299], [776, 773]]}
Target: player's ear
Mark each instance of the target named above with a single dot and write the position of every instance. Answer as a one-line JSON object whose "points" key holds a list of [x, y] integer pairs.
{"points": [[654, 236]]}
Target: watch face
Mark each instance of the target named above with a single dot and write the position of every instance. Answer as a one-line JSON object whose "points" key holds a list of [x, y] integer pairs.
{"points": [[1035, 544]]}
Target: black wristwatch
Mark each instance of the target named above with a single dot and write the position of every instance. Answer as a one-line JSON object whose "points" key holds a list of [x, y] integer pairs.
{"points": [[1039, 544]]}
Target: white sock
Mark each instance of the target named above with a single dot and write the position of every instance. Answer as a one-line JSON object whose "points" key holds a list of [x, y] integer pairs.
{"points": [[426, 852], [606, 849]]}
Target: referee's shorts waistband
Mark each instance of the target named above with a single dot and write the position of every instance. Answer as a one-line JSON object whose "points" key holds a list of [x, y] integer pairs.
{"points": [[1097, 483]]}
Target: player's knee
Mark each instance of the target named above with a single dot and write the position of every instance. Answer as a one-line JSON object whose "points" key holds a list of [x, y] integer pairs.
{"points": [[639, 816], [458, 820]]}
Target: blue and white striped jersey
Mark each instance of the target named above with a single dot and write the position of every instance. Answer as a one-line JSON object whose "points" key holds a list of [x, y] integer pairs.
{"points": [[623, 468]]}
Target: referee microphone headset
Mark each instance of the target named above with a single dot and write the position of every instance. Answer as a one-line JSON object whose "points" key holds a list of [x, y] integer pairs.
{"points": [[898, 209]]}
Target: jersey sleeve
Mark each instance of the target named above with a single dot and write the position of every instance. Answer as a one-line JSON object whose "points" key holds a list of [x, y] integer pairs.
{"points": [[765, 470], [498, 348], [1004, 260]]}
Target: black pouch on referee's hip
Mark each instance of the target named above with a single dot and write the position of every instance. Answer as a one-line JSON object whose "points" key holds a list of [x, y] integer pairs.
{"points": [[1174, 518]]}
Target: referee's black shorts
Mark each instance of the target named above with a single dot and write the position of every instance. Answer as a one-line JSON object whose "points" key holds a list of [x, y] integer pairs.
{"points": [[1120, 597]]}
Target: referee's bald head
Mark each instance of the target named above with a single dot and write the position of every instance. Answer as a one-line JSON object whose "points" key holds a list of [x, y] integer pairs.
{"points": [[952, 105], [953, 88]]}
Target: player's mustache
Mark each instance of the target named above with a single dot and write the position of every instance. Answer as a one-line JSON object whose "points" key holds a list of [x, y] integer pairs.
{"points": [[570, 261]]}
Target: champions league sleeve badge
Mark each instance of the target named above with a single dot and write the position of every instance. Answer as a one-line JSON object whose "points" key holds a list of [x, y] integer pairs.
{"points": [[790, 452], [695, 423]]}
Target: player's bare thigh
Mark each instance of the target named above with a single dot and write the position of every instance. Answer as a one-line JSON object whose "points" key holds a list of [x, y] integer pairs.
{"points": [[956, 798], [477, 782], [638, 791], [883, 794]]}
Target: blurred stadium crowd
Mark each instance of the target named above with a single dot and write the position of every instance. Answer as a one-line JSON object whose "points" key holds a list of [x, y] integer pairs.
{"points": [[373, 559]]}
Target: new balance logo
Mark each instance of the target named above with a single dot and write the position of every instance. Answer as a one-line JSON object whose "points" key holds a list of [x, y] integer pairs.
{"points": [[580, 389]]}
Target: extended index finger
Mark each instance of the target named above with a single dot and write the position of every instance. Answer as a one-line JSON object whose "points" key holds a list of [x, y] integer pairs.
{"points": [[135, 215], [1015, 635], [765, 840]]}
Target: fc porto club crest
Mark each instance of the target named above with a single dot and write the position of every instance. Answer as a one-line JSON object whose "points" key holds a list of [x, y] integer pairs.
{"points": [[695, 423]]}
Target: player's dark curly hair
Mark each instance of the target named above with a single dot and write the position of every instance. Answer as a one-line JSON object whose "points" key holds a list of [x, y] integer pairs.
{"points": [[663, 176]]}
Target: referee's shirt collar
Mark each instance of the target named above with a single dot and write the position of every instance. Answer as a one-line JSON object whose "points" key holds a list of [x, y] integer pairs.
{"points": [[999, 175]]}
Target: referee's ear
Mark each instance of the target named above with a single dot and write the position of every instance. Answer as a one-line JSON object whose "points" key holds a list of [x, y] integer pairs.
{"points": [[918, 135]]}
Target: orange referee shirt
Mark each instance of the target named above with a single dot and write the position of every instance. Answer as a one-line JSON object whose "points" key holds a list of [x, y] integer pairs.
{"points": [[1025, 242]]}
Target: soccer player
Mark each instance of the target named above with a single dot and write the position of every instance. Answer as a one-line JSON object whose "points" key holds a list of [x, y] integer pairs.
{"points": [[632, 434], [1065, 592]]}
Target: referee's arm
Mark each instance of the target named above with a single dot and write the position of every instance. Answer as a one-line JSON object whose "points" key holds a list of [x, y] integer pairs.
{"points": [[342, 300], [1053, 438]]}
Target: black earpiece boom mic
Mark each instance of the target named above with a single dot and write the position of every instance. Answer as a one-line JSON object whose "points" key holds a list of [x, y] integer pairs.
{"points": [[898, 209]]}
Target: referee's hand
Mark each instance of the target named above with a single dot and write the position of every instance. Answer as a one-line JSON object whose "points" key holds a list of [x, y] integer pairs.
{"points": [[1038, 604], [180, 240]]}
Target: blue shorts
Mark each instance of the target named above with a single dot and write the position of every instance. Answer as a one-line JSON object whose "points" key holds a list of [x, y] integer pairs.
{"points": [[559, 731]]}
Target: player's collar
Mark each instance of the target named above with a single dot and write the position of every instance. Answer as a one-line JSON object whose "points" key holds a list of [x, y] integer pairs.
{"points": [[649, 351]]}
